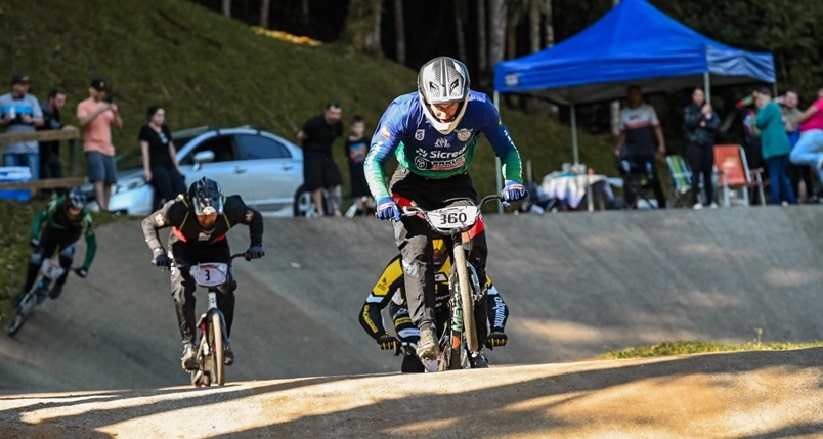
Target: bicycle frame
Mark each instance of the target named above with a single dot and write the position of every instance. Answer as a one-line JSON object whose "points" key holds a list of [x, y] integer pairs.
{"points": [[212, 324], [460, 335]]}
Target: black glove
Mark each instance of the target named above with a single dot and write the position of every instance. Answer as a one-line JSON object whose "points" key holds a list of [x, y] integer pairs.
{"points": [[34, 242], [162, 260], [496, 339], [255, 252], [82, 272], [387, 342]]}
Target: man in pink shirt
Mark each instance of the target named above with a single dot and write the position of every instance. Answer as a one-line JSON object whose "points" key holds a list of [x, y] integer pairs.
{"points": [[809, 147], [97, 116]]}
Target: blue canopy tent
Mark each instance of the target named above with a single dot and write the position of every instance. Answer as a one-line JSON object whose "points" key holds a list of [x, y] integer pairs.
{"points": [[634, 43]]}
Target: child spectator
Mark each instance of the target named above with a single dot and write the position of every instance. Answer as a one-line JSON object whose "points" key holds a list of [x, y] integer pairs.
{"points": [[357, 146]]}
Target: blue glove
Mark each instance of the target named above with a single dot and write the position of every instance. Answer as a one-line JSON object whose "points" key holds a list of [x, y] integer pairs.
{"points": [[255, 252], [513, 191], [387, 209], [162, 260], [82, 272]]}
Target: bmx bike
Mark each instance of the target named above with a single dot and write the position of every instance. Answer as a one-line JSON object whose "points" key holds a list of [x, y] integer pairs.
{"points": [[50, 270], [212, 325], [458, 340]]}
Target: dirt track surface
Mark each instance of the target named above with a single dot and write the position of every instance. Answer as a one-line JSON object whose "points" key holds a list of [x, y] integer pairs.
{"points": [[102, 361]]}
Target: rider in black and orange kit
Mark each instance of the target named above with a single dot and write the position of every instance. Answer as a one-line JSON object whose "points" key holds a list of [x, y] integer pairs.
{"points": [[389, 291], [200, 221]]}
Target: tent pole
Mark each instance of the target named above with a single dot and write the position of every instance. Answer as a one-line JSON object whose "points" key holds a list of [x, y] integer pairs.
{"points": [[574, 136], [706, 88], [498, 166]]}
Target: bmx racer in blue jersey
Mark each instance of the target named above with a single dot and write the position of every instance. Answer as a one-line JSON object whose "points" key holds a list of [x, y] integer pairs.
{"points": [[432, 133]]}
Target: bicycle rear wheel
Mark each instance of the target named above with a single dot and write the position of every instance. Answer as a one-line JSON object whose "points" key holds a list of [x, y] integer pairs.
{"points": [[469, 332], [215, 337]]}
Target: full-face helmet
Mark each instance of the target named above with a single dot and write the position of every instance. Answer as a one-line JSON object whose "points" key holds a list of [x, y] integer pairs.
{"points": [[444, 80], [76, 199], [206, 198]]}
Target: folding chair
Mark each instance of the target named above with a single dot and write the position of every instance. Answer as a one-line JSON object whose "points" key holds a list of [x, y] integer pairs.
{"points": [[681, 180], [735, 176]]}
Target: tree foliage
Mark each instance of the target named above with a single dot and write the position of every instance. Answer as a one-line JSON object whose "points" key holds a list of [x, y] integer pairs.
{"points": [[787, 28]]}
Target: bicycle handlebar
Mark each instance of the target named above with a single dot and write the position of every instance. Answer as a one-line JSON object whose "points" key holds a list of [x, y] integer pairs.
{"points": [[414, 210]]}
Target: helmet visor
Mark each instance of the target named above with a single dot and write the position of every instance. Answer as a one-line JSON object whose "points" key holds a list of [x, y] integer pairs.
{"points": [[212, 205]]}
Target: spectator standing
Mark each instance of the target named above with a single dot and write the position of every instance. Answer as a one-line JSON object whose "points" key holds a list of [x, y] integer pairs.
{"points": [[21, 114], [640, 137], [775, 144], [50, 164], [97, 117], [751, 135], [160, 166], [357, 145], [319, 169], [700, 124], [809, 147], [791, 117]]}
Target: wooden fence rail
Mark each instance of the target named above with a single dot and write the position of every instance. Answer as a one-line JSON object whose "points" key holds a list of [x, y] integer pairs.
{"points": [[70, 134]]}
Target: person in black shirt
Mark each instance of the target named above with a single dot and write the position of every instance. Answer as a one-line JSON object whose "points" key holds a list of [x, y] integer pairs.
{"points": [[199, 221], [160, 167], [50, 164], [319, 169]]}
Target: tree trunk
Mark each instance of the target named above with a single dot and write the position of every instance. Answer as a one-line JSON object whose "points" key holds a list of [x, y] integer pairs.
{"points": [[514, 11], [362, 29], [498, 11], [460, 28], [549, 24], [400, 32], [227, 8], [264, 13], [482, 54], [534, 25]]}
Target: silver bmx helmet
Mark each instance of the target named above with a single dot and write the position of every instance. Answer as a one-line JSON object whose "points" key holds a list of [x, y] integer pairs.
{"points": [[205, 196], [444, 80]]}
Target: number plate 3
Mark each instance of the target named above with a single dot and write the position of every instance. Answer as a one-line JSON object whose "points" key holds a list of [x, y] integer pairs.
{"points": [[209, 275]]}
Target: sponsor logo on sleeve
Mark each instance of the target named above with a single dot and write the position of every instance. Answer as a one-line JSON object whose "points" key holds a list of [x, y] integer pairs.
{"points": [[464, 134], [384, 131]]}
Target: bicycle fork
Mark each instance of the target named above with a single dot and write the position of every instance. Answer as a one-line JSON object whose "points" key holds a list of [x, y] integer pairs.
{"points": [[203, 324]]}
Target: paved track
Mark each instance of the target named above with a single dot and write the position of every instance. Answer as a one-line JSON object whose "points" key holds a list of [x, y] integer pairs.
{"points": [[577, 284]]}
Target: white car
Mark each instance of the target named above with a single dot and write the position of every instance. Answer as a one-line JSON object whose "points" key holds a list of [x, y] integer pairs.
{"points": [[265, 169]]}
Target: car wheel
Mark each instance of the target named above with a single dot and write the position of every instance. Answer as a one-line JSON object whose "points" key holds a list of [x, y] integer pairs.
{"points": [[303, 204]]}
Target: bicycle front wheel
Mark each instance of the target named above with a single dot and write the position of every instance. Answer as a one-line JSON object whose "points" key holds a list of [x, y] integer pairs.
{"points": [[215, 337], [15, 324], [24, 309], [469, 332]]}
